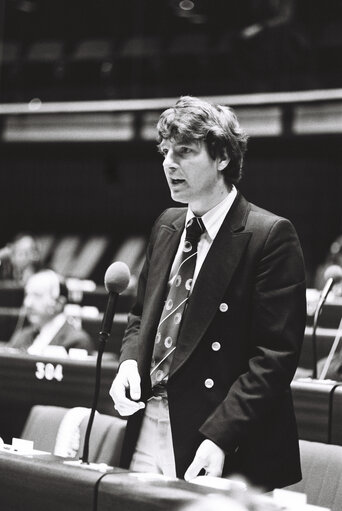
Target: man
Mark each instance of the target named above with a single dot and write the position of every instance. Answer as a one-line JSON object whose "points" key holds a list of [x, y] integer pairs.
{"points": [[44, 303], [220, 399]]}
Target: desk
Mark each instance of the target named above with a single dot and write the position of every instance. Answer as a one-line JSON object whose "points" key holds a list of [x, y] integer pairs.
{"points": [[42, 483], [336, 417], [313, 407], [27, 380]]}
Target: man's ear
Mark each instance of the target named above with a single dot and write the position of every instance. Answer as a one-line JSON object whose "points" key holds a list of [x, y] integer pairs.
{"points": [[223, 160]]}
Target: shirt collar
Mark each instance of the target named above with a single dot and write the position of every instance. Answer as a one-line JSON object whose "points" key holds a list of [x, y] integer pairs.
{"points": [[213, 218]]}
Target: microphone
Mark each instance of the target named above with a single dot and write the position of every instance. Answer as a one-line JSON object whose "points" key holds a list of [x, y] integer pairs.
{"points": [[332, 275], [116, 280]]}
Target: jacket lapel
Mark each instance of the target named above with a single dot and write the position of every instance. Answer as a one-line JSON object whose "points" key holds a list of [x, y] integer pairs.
{"points": [[213, 280], [160, 267]]}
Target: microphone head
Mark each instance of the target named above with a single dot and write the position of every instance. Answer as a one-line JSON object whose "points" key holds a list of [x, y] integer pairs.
{"points": [[117, 277], [333, 272]]}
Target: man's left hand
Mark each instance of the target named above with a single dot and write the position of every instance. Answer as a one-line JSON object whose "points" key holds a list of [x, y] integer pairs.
{"points": [[208, 456]]}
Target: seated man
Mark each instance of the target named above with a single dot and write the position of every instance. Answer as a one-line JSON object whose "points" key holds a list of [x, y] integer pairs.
{"points": [[44, 303]]}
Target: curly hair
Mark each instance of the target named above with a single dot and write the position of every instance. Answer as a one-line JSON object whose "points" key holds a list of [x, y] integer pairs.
{"points": [[195, 119]]}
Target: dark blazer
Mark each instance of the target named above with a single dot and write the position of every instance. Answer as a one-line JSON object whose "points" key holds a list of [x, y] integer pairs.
{"points": [[68, 336], [250, 298]]}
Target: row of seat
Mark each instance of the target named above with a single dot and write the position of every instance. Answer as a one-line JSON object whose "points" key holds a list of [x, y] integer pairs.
{"points": [[152, 65], [78, 257], [104, 49]]}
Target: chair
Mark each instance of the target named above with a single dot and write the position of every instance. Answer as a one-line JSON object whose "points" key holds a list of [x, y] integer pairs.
{"points": [[52, 429], [43, 68], [139, 65], [187, 59], [89, 68], [322, 474], [10, 65]]}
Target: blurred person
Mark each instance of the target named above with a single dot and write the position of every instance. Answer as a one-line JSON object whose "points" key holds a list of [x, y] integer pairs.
{"points": [[44, 303], [20, 259], [214, 336]]}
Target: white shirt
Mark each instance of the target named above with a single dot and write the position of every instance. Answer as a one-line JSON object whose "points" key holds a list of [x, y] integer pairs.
{"points": [[212, 220], [47, 333]]}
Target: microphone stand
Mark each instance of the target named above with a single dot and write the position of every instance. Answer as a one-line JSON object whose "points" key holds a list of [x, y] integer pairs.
{"points": [[332, 351], [318, 310], [102, 337]]}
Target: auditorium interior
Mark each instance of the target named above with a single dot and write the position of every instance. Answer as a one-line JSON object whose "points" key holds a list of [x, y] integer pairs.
{"points": [[82, 85]]}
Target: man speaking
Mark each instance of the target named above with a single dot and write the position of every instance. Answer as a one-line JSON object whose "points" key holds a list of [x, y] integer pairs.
{"points": [[214, 337]]}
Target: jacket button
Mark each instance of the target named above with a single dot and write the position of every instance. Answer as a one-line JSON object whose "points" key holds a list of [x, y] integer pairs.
{"points": [[216, 346], [223, 307], [209, 383]]}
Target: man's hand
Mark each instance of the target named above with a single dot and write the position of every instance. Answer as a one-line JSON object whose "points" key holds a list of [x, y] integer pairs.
{"points": [[127, 378], [208, 456]]}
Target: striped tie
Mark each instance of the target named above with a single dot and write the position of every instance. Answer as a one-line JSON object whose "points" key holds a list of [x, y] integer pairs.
{"points": [[175, 304]]}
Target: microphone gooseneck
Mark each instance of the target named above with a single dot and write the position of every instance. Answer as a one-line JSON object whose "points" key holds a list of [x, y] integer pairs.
{"points": [[332, 275], [116, 280]]}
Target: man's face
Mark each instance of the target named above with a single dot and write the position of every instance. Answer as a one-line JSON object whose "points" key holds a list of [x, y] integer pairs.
{"points": [[39, 302], [193, 176]]}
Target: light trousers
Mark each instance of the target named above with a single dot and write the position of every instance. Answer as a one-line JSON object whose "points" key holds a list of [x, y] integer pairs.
{"points": [[154, 450]]}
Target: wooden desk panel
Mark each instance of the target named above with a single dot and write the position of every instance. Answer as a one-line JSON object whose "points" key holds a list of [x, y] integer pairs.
{"points": [[42, 483], [336, 417], [27, 380], [313, 403]]}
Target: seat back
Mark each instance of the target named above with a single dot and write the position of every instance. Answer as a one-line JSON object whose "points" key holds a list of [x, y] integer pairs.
{"points": [[46, 424], [322, 474], [105, 440], [42, 426]]}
